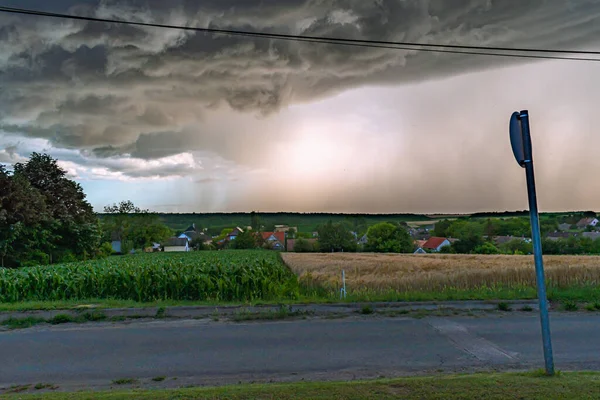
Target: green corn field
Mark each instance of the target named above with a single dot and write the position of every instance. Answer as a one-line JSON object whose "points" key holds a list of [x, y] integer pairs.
{"points": [[241, 275]]}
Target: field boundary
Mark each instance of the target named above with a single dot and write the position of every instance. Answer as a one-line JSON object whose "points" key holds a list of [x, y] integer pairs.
{"points": [[197, 312]]}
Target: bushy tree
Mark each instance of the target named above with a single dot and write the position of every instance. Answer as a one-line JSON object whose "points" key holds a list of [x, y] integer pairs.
{"points": [[469, 235], [305, 246], [385, 237], [516, 246], [245, 240], [130, 224], [441, 228], [44, 216], [486, 248], [335, 237]]}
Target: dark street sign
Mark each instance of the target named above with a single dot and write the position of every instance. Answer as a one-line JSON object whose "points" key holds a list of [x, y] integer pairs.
{"points": [[516, 138]]}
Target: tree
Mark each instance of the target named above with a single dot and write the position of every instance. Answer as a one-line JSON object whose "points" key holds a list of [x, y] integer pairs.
{"points": [[441, 228], [255, 221], [486, 248], [517, 246], [130, 224], [72, 227], [385, 237], [245, 240], [304, 246], [291, 233], [469, 235], [335, 237]]}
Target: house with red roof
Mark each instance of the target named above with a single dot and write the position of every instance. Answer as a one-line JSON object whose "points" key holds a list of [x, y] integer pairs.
{"points": [[435, 243], [274, 240]]}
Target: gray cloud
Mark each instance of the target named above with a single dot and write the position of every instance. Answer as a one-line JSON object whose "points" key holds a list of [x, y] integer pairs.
{"points": [[70, 75], [117, 93]]}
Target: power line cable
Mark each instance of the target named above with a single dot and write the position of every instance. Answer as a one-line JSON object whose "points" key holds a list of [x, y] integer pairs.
{"points": [[427, 47]]}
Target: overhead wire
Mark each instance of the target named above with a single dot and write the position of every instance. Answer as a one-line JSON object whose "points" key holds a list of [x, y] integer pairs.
{"points": [[409, 46]]}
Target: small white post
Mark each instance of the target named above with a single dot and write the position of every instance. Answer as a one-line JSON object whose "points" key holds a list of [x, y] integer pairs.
{"points": [[343, 289]]}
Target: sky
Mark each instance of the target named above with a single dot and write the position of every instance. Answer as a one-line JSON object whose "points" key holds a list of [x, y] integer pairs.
{"points": [[179, 121]]}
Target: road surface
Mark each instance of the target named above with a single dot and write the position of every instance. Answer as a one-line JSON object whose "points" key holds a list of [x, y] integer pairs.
{"points": [[211, 352]]}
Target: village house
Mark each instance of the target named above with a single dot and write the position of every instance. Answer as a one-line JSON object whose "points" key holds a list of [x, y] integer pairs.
{"points": [[285, 228], [560, 235], [191, 234], [585, 222], [591, 235], [274, 240], [500, 240], [564, 227], [234, 233], [435, 243]]}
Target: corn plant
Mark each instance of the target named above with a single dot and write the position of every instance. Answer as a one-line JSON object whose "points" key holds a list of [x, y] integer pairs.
{"points": [[212, 276]]}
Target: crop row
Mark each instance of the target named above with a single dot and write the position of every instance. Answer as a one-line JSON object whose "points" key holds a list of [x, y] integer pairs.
{"points": [[210, 276]]}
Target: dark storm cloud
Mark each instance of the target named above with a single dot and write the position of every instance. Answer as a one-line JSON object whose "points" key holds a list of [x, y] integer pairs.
{"points": [[115, 89]]}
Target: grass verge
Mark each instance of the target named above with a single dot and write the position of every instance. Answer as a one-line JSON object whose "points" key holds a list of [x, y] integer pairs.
{"points": [[28, 322], [492, 386], [282, 313], [587, 294]]}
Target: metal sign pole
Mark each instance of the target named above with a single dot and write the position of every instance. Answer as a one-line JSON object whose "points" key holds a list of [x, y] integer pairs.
{"points": [[523, 154]]}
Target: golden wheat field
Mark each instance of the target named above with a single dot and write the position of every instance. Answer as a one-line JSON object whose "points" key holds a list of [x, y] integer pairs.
{"points": [[430, 272]]}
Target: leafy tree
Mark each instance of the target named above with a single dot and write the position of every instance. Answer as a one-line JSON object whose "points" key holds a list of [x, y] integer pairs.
{"points": [[128, 223], [516, 246], [304, 246], [335, 237], [245, 240], [291, 233], [469, 235], [441, 228], [72, 225], [255, 221], [357, 224], [388, 238], [486, 248], [22, 212], [447, 250]]}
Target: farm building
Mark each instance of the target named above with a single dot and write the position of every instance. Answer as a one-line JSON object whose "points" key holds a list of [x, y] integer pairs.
{"points": [[176, 244]]}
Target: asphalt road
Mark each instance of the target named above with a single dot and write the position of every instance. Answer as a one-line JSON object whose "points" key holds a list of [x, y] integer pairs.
{"points": [[209, 352]]}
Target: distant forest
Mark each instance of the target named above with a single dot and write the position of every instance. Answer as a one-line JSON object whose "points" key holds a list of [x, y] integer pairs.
{"points": [[308, 222], [305, 222]]}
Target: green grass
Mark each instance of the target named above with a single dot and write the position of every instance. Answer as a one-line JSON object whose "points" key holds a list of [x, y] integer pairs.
{"points": [[159, 378], [282, 313], [502, 306], [125, 381], [570, 305], [21, 323], [492, 386], [366, 309], [40, 386]]}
